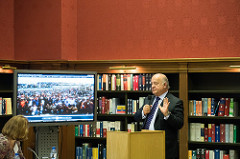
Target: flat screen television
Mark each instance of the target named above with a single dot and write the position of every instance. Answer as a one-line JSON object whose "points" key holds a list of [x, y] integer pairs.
{"points": [[51, 97]]}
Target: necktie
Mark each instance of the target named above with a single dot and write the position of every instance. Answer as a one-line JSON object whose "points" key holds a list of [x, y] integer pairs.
{"points": [[150, 115]]}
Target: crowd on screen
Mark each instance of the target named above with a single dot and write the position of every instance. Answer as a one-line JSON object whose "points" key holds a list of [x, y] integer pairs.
{"points": [[34, 100]]}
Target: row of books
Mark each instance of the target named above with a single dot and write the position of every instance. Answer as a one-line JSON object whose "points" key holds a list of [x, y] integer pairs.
{"points": [[100, 130], [213, 107], [113, 106], [86, 151], [5, 106], [85, 130], [135, 104], [201, 153], [124, 82], [108, 106], [226, 133]]}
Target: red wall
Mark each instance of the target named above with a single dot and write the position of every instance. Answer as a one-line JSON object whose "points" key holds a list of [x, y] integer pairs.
{"points": [[107, 29], [37, 29], [158, 29], [69, 30], [6, 30]]}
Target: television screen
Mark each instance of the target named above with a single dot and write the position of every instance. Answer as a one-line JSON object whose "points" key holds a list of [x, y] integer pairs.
{"points": [[55, 97]]}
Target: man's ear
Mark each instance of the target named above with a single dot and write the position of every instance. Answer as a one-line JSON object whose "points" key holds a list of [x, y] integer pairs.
{"points": [[165, 84]]}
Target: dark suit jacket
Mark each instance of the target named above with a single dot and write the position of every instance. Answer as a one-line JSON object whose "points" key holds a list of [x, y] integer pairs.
{"points": [[171, 125]]}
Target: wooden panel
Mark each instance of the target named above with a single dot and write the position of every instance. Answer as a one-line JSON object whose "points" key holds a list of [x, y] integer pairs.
{"points": [[30, 143], [183, 94], [67, 142], [125, 145]]}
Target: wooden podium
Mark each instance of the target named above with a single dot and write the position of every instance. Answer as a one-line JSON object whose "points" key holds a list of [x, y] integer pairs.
{"points": [[135, 145]]}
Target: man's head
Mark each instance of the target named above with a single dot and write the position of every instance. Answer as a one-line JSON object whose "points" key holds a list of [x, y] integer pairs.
{"points": [[160, 84]]}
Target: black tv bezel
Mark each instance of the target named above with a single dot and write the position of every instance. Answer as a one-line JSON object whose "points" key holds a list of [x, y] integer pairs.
{"points": [[58, 123]]}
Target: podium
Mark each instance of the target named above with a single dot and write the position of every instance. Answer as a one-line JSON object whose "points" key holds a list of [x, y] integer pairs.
{"points": [[136, 145]]}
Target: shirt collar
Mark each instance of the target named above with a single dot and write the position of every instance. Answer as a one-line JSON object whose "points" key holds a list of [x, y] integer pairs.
{"points": [[163, 95]]}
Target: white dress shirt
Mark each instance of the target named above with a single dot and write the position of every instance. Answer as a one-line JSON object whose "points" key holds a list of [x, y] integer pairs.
{"points": [[151, 127]]}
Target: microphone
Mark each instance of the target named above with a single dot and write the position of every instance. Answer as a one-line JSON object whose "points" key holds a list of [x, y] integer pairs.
{"points": [[33, 152], [149, 97]]}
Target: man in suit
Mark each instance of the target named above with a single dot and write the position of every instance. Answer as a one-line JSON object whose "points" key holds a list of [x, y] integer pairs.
{"points": [[166, 114]]}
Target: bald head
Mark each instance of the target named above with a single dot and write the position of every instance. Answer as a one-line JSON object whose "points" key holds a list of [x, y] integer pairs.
{"points": [[160, 84]]}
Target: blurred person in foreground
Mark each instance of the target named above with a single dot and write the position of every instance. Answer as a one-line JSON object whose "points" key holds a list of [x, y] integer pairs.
{"points": [[163, 111], [14, 131]]}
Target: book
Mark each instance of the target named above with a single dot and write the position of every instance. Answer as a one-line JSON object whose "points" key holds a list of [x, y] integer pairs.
{"points": [[209, 132], [104, 153], [233, 154], [222, 132], [103, 105], [79, 152], [121, 109], [118, 82], [144, 82], [213, 103], [100, 151], [221, 109], [95, 153], [231, 133], [189, 154], [84, 150], [227, 106], [8, 105], [147, 82], [227, 133], [231, 113], [104, 82], [205, 106], [190, 108], [226, 156], [89, 153], [209, 107], [194, 108], [99, 81], [110, 82], [202, 153], [98, 129], [114, 83], [217, 133], [207, 154], [198, 153], [76, 131], [205, 134], [235, 133], [194, 154], [200, 109], [213, 132], [211, 154], [192, 131], [217, 154], [202, 132]]}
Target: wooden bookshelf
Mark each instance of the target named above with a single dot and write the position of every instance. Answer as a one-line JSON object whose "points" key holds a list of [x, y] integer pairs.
{"points": [[190, 73]]}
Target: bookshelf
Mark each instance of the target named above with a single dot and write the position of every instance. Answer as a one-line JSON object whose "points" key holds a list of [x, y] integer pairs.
{"points": [[125, 96], [192, 79], [220, 86], [6, 91]]}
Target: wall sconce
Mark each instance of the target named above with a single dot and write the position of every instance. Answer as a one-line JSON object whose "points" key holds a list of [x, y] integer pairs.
{"points": [[123, 67], [9, 67], [234, 66]]}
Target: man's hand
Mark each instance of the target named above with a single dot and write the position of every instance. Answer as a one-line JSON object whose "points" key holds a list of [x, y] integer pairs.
{"points": [[146, 109], [164, 108]]}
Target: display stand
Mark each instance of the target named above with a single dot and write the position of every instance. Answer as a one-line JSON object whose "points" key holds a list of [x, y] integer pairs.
{"points": [[136, 145], [46, 137]]}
